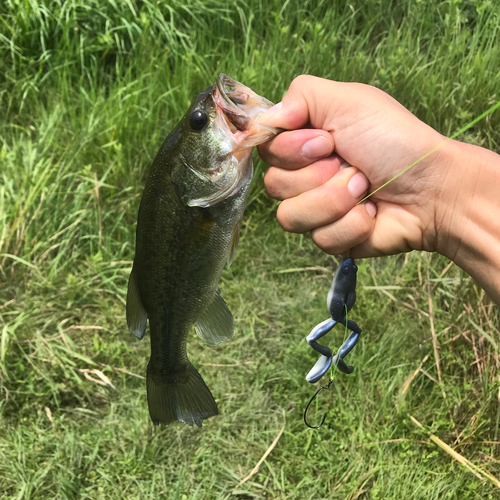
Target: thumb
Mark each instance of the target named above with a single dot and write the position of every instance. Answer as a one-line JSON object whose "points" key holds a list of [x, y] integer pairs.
{"points": [[308, 102]]}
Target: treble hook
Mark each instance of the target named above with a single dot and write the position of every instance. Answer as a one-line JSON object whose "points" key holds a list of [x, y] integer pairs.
{"points": [[323, 387]]}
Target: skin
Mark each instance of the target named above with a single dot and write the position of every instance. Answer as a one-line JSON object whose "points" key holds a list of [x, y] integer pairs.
{"points": [[437, 206]]}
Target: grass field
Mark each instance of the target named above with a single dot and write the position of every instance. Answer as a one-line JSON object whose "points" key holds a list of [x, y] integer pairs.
{"points": [[88, 91]]}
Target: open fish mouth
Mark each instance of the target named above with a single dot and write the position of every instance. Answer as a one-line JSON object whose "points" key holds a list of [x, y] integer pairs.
{"points": [[240, 105], [234, 131]]}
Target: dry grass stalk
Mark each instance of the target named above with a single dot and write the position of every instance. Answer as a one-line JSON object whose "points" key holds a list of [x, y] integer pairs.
{"points": [[259, 463], [477, 471], [409, 380]]}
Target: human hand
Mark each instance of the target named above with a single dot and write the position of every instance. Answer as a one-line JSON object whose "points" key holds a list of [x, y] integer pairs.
{"points": [[329, 123]]}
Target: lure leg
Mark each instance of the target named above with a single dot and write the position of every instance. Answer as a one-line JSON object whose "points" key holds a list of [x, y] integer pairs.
{"points": [[344, 350], [319, 369], [351, 325], [324, 362], [320, 331]]}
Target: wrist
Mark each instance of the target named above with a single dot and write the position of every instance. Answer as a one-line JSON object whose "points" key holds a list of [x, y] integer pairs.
{"points": [[468, 214]]}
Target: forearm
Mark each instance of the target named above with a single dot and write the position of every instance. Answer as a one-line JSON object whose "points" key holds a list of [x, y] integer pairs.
{"points": [[470, 215]]}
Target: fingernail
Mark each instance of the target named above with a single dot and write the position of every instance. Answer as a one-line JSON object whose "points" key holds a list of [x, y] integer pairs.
{"points": [[358, 185], [270, 112], [371, 208], [317, 148]]}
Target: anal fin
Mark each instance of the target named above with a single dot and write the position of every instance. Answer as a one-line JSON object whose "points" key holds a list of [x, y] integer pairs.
{"points": [[216, 324]]}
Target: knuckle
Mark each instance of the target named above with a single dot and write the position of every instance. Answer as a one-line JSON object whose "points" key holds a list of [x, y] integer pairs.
{"points": [[284, 216], [301, 81], [323, 174], [272, 184], [331, 205], [264, 152], [361, 226], [323, 240], [367, 89]]}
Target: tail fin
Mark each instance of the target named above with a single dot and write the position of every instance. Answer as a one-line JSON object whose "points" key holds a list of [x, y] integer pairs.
{"points": [[181, 396]]}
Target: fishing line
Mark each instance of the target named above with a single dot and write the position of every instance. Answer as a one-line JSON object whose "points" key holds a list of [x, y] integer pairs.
{"points": [[440, 145]]}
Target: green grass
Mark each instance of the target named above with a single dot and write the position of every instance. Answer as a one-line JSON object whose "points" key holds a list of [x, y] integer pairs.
{"points": [[88, 91]]}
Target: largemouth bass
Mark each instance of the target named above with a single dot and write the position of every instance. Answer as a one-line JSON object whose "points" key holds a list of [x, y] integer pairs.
{"points": [[188, 228]]}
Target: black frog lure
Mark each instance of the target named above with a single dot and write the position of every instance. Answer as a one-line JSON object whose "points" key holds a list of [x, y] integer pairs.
{"points": [[340, 301]]}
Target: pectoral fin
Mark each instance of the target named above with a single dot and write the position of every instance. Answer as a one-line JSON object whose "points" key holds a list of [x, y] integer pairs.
{"points": [[234, 244], [216, 324], [136, 314], [199, 233]]}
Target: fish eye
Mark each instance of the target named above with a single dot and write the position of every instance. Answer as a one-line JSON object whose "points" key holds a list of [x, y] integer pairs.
{"points": [[346, 270], [198, 120]]}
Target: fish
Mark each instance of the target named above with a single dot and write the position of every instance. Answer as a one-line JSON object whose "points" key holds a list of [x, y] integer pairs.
{"points": [[187, 229]]}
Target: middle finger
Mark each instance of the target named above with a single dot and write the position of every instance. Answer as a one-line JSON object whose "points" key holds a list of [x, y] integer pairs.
{"points": [[325, 204], [281, 183]]}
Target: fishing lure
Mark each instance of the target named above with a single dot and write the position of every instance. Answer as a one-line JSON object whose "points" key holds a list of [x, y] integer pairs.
{"points": [[340, 301]]}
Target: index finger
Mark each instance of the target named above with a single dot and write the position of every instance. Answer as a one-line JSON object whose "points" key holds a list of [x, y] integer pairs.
{"points": [[297, 148]]}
